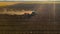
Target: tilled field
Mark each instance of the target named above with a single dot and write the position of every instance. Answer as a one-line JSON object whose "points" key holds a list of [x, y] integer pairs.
{"points": [[42, 23]]}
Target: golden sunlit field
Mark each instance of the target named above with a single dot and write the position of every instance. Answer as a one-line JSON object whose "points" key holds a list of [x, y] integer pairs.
{"points": [[12, 3]]}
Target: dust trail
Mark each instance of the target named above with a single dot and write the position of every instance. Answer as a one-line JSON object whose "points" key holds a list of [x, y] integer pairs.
{"points": [[16, 12]]}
